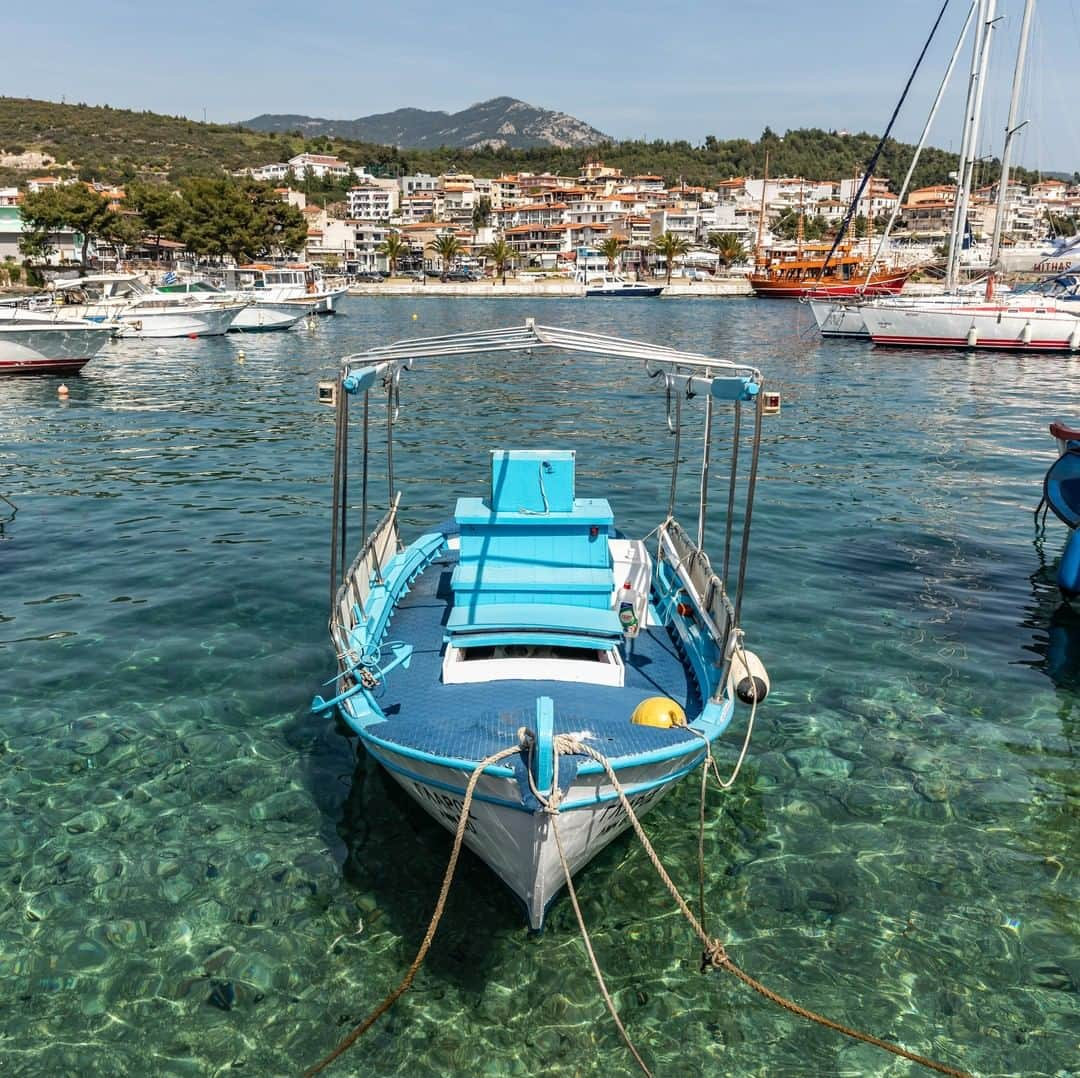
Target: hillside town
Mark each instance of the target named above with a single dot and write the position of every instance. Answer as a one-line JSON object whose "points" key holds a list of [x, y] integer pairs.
{"points": [[558, 224]]}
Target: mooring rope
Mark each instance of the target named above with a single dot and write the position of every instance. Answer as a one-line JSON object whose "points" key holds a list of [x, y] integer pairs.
{"points": [[714, 954]]}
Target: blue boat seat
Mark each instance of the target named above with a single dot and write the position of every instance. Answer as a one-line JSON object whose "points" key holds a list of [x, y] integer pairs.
{"points": [[537, 623]]}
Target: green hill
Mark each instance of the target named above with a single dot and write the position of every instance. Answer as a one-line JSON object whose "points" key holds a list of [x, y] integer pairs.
{"points": [[114, 145]]}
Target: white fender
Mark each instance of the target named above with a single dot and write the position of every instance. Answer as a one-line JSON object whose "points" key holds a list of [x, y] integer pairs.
{"points": [[748, 679]]}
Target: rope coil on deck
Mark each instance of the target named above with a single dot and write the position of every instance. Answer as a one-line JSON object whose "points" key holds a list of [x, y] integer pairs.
{"points": [[714, 953]]}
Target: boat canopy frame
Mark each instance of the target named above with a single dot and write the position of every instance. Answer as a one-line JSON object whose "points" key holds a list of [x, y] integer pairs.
{"points": [[685, 375]]}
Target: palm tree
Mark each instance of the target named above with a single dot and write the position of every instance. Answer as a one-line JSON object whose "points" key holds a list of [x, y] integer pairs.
{"points": [[670, 246], [728, 247], [611, 249], [447, 247], [501, 254], [394, 248]]}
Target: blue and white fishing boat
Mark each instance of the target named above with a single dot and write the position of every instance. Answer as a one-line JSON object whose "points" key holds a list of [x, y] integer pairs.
{"points": [[1061, 493], [531, 629]]}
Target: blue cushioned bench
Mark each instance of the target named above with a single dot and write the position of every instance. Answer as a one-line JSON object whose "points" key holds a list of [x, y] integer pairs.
{"points": [[534, 623]]}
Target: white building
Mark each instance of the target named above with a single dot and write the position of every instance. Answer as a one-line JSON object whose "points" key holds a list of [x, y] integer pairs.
{"points": [[370, 202], [321, 166], [421, 183], [274, 173]]}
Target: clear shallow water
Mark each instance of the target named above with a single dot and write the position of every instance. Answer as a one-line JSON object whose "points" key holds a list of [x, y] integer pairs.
{"points": [[901, 853]]}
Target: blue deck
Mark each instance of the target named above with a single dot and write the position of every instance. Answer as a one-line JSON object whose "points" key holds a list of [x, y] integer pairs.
{"points": [[469, 722]]}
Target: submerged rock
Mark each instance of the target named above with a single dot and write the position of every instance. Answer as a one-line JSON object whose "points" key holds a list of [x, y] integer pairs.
{"points": [[222, 995]]}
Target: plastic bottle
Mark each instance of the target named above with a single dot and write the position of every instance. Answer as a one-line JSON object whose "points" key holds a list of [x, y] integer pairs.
{"points": [[629, 604]]}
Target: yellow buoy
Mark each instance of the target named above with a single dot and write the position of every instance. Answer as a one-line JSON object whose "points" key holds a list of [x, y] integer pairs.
{"points": [[415, 317], [659, 711]]}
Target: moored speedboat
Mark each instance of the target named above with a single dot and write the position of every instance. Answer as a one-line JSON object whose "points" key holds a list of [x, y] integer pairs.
{"points": [[299, 284], [123, 299], [529, 647], [258, 314], [34, 342], [612, 285]]}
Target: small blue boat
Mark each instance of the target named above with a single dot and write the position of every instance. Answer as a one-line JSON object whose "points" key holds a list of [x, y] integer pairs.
{"points": [[1061, 493], [529, 646]]}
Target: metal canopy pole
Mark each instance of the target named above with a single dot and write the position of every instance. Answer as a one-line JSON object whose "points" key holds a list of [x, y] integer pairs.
{"points": [[364, 473], [744, 550], [675, 457], [390, 442], [344, 506], [703, 494], [335, 510], [729, 524]]}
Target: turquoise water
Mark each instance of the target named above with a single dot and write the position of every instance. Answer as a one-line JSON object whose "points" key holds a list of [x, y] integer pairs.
{"points": [[175, 827]]}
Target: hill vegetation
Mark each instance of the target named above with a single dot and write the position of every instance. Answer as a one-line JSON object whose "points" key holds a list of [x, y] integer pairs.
{"points": [[118, 145]]}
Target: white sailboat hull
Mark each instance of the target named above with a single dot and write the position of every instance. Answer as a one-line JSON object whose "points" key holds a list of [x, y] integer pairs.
{"points": [[1028, 326], [837, 319]]}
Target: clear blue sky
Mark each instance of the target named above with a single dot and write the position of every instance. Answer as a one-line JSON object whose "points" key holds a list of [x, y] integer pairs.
{"points": [[629, 68]]}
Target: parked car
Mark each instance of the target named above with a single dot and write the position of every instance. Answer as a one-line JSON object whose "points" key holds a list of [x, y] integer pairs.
{"points": [[368, 278], [462, 275]]}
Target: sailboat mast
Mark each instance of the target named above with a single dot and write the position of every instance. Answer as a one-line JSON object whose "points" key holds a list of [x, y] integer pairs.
{"points": [[758, 261], [1011, 127], [980, 59], [922, 141]]}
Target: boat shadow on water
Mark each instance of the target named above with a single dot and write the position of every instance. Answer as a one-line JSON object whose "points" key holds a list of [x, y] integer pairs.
{"points": [[1055, 642]]}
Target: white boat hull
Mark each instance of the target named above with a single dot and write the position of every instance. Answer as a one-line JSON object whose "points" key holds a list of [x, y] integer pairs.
{"points": [[838, 319], [519, 845], [208, 322], [1028, 327], [49, 348], [259, 317], [320, 302]]}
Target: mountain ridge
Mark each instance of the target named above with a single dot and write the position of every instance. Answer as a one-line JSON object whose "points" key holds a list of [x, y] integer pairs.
{"points": [[500, 122]]}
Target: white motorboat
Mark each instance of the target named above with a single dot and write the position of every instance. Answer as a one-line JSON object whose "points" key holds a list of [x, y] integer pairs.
{"points": [[259, 314], [296, 283], [123, 299], [611, 284], [37, 342]]}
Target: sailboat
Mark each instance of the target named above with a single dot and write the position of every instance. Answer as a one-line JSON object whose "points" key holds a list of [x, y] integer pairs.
{"points": [[1025, 320], [848, 318], [527, 651]]}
